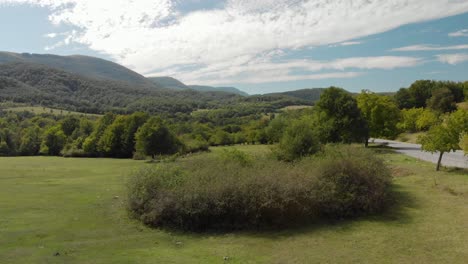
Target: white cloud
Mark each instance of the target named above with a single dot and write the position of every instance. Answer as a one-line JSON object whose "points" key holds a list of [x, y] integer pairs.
{"points": [[151, 36], [430, 48], [285, 78], [264, 70], [460, 33], [346, 43], [51, 35], [453, 59]]}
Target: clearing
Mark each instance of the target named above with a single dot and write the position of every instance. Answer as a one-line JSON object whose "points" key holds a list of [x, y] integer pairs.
{"points": [[75, 209]]}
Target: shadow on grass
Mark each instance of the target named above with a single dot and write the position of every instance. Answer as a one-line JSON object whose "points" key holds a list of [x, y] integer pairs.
{"points": [[382, 149], [455, 170]]}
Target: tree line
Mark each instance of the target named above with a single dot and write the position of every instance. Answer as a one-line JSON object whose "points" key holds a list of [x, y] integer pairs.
{"points": [[338, 117]]}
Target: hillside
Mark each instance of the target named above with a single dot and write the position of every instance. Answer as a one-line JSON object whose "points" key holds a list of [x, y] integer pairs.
{"points": [[169, 83], [233, 90], [174, 84], [77, 64], [311, 95], [36, 84]]}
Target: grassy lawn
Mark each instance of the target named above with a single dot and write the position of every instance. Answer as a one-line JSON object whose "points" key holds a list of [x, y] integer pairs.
{"points": [[76, 207], [46, 110], [410, 137]]}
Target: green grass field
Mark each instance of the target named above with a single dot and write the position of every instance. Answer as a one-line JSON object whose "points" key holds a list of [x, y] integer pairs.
{"points": [[76, 207], [410, 137], [45, 110]]}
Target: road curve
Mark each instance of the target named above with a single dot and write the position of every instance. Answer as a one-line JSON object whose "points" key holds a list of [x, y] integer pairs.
{"points": [[452, 159]]}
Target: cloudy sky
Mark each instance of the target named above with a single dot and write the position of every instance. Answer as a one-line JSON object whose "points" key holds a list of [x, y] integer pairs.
{"points": [[258, 46]]}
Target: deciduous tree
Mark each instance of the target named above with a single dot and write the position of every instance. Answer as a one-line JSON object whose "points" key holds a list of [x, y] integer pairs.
{"points": [[445, 137]]}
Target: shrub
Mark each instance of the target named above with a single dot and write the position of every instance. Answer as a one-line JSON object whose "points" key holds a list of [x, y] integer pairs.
{"points": [[209, 193], [299, 140], [192, 145], [73, 152], [351, 181], [234, 155]]}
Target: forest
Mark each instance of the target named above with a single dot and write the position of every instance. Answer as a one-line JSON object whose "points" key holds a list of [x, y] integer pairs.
{"points": [[338, 117]]}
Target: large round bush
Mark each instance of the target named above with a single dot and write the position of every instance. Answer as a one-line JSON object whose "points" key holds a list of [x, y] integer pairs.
{"points": [[218, 192]]}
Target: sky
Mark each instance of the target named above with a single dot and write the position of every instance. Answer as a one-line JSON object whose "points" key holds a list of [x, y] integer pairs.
{"points": [[257, 46]]}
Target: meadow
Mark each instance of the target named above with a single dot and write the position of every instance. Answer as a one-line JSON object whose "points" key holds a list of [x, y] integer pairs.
{"points": [[65, 210], [46, 110]]}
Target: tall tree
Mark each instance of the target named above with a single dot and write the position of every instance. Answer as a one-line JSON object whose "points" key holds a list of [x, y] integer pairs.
{"points": [[420, 91], [69, 124], [155, 138], [53, 141], [381, 113], [345, 121], [404, 99], [30, 141], [90, 145]]}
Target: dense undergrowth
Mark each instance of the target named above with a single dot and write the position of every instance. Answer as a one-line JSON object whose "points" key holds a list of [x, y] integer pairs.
{"points": [[233, 191]]}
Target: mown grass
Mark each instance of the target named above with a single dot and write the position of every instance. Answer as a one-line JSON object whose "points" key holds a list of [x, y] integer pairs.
{"points": [[410, 137], [76, 207], [45, 110], [295, 107]]}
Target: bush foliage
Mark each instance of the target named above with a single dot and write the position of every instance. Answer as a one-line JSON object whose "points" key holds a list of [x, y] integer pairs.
{"points": [[210, 193]]}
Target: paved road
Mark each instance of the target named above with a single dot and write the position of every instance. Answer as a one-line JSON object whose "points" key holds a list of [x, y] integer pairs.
{"points": [[452, 159]]}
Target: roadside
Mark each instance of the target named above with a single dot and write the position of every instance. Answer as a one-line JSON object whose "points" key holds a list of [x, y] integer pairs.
{"points": [[452, 159]]}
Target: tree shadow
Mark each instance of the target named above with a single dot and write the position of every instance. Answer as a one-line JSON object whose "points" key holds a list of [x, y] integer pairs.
{"points": [[382, 149]]}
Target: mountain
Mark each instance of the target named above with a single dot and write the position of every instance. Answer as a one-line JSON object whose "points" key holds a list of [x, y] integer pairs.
{"points": [[92, 85], [174, 84], [37, 84], [233, 90], [311, 95], [169, 83], [96, 68], [77, 64]]}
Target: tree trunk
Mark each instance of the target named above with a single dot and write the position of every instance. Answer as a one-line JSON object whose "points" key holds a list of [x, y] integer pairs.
{"points": [[439, 161], [367, 142]]}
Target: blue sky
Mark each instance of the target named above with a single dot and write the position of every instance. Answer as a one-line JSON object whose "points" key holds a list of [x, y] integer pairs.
{"points": [[257, 46]]}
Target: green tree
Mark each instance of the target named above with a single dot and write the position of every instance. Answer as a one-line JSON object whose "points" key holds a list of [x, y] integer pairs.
{"points": [[409, 118], [445, 137], [155, 138], [464, 143], [404, 99], [442, 101], [53, 141], [69, 124], [427, 118], [134, 122], [381, 114], [86, 127], [221, 138], [30, 141], [111, 141], [420, 91], [345, 121], [300, 139], [90, 144], [7, 139]]}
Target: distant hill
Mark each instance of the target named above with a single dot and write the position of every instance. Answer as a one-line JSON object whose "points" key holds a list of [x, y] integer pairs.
{"points": [[36, 84], [91, 85], [77, 64], [169, 83], [311, 95], [233, 90], [174, 84]]}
